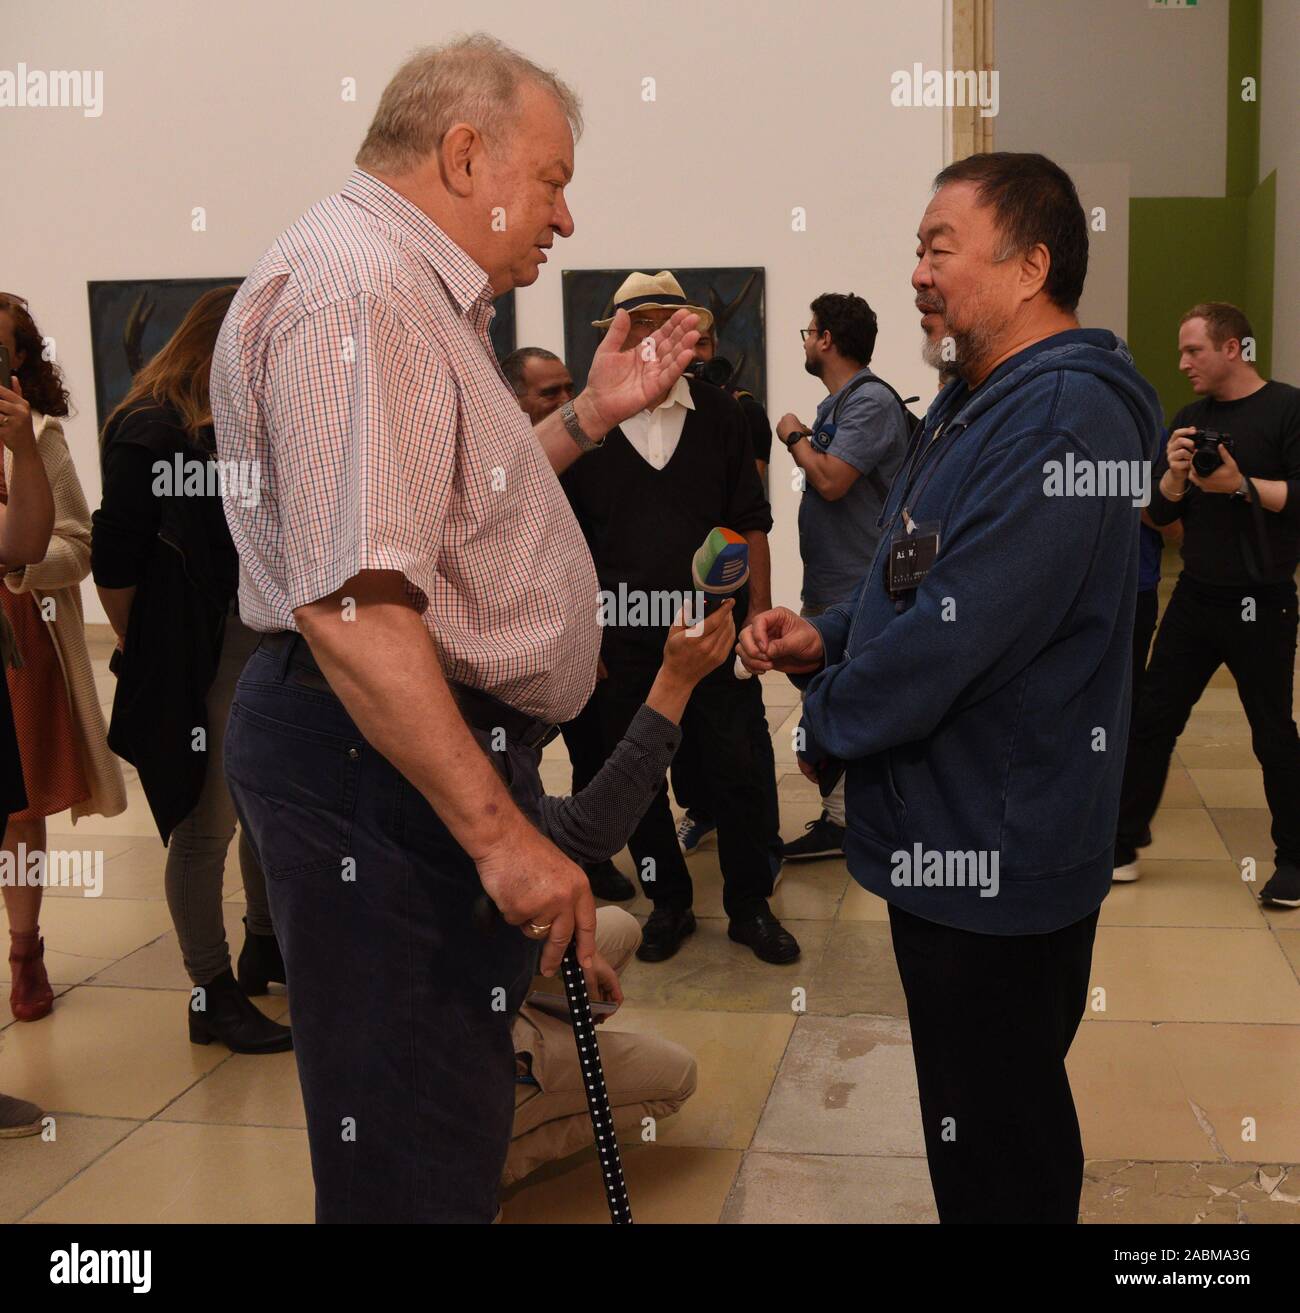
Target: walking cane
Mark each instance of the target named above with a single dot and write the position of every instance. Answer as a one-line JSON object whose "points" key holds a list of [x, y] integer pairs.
{"points": [[593, 1072], [593, 1082]]}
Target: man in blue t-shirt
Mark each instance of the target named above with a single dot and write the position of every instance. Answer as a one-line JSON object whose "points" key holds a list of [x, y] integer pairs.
{"points": [[846, 461]]}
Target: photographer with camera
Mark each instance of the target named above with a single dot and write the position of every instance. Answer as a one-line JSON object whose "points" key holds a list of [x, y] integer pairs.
{"points": [[1231, 474]]}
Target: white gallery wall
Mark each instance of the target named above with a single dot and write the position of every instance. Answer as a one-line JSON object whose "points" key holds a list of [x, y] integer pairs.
{"points": [[759, 107], [1102, 81]]}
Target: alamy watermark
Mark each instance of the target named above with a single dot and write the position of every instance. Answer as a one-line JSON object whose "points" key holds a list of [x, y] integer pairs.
{"points": [[635, 608], [58, 868], [190, 476], [75, 1266], [59, 88], [950, 88], [1098, 478], [934, 868]]}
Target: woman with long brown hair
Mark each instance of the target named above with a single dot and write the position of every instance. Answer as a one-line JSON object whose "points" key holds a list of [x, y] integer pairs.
{"points": [[167, 572], [26, 522], [65, 759]]}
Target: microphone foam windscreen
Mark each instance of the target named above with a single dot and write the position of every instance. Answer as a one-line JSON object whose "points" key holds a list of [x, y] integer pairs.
{"points": [[721, 565]]}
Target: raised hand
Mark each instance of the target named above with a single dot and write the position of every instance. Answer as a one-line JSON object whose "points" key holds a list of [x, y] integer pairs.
{"points": [[622, 383]]}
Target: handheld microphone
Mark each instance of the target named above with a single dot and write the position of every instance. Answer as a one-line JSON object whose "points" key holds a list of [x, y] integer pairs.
{"points": [[720, 569]]}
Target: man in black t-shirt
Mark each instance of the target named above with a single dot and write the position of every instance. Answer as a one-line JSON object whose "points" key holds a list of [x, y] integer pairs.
{"points": [[1235, 601]]}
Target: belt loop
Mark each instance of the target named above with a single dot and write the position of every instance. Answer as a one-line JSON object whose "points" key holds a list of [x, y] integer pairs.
{"points": [[290, 645]]}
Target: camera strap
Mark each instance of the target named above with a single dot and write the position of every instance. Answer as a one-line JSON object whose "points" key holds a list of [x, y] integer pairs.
{"points": [[1256, 566]]}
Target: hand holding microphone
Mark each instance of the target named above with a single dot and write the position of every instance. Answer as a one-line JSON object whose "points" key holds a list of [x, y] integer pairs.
{"points": [[719, 570]]}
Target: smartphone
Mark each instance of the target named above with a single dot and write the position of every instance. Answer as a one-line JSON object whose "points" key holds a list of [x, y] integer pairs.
{"points": [[6, 372]]}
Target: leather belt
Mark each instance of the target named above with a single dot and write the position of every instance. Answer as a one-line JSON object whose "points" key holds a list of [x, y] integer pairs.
{"points": [[481, 710]]}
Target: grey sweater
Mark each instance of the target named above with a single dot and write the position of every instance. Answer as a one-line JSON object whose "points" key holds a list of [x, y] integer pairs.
{"points": [[596, 822]]}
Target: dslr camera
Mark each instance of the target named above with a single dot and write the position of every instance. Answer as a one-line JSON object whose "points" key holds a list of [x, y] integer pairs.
{"points": [[1206, 453], [716, 371]]}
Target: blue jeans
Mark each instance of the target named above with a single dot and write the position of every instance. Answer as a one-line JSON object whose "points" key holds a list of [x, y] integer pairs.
{"points": [[402, 1001]]}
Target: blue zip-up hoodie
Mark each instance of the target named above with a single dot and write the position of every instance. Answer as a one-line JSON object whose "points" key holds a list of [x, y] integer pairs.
{"points": [[987, 712]]}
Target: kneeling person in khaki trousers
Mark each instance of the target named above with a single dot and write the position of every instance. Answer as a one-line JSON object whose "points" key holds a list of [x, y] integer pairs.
{"points": [[646, 1076]]}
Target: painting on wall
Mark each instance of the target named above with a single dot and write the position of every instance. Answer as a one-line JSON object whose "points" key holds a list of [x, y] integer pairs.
{"points": [[734, 295], [130, 321], [502, 329]]}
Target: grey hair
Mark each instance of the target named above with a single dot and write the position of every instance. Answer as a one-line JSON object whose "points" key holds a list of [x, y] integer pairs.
{"points": [[474, 80], [514, 364]]}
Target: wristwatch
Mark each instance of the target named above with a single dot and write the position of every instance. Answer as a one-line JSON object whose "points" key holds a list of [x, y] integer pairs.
{"points": [[795, 436], [1244, 491], [570, 418]]}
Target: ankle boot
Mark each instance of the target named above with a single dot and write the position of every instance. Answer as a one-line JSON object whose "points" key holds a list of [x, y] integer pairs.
{"points": [[259, 962], [30, 995], [228, 1016]]}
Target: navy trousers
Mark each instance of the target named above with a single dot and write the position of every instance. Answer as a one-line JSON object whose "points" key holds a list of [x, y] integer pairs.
{"points": [[402, 999]]}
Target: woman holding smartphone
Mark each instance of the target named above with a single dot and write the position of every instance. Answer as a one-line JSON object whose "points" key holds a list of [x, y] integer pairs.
{"points": [[167, 573], [65, 759], [26, 522]]}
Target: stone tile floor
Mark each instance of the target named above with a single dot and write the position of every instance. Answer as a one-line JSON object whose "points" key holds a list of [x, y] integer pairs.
{"points": [[1186, 1084]]}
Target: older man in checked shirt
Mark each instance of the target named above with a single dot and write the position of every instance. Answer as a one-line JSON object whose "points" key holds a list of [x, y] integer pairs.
{"points": [[416, 570]]}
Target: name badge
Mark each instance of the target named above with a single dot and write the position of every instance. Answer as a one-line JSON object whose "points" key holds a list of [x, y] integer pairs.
{"points": [[912, 551]]}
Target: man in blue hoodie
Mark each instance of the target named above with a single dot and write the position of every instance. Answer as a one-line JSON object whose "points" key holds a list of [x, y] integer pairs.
{"points": [[977, 685]]}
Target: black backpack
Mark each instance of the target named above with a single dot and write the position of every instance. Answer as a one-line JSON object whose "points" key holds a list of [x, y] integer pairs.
{"points": [[911, 420]]}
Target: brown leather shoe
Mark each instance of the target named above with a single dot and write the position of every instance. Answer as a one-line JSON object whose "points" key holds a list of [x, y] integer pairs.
{"points": [[30, 995]]}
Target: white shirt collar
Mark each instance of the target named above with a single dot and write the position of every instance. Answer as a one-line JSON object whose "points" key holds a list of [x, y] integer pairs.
{"points": [[680, 395]]}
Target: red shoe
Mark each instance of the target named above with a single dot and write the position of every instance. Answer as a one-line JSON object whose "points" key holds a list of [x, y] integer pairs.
{"points": [[30, 995]]}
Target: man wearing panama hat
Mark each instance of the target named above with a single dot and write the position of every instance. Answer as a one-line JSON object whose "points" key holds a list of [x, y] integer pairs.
{"points": [[646, 293], [646, 500]]}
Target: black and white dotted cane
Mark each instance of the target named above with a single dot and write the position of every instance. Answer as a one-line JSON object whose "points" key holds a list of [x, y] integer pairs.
{"points": [[593, 1082], [487, 917]]}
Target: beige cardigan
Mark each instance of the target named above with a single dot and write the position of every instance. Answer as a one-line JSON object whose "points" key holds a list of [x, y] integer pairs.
{"points": [[58, 577]]}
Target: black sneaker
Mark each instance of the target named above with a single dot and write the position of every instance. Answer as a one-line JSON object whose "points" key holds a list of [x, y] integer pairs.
{"points": [[1283, 890], [662, 934], [824, 839], [609, 883], [769, 939]]}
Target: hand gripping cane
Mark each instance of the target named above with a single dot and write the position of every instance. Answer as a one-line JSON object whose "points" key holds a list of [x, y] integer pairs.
{"points": [[593, 1072]]}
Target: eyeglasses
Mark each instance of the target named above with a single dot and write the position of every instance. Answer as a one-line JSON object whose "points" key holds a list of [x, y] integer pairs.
{"points": [[806, 333]]}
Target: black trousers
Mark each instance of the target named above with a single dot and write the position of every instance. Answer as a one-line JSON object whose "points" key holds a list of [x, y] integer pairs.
{"points": [[688, 785], [586, 744], [1203, 629], [992, 1018], [726, 727], [1144, 625]]}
